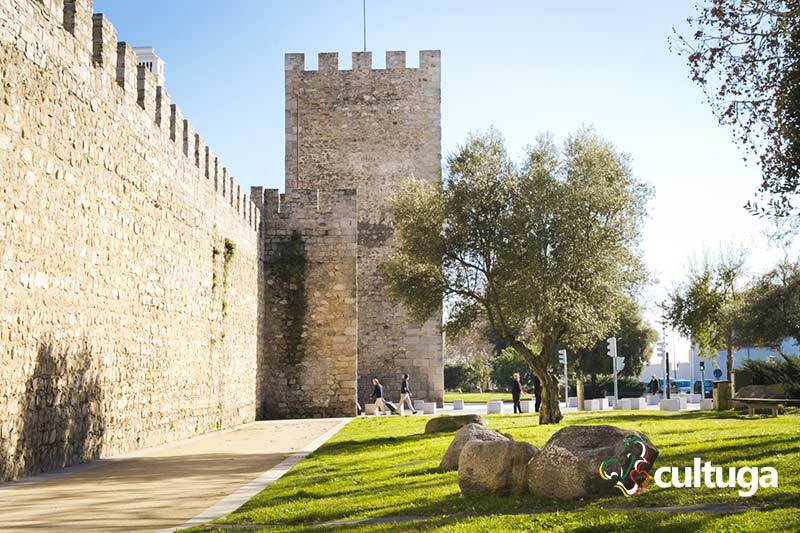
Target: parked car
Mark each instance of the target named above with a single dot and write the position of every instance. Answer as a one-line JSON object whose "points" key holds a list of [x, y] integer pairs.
{"points": [[707, 387], [672, 386]]}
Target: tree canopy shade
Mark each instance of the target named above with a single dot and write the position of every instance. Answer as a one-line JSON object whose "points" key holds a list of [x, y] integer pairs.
{"points": [[545, 251], [746, 56]]}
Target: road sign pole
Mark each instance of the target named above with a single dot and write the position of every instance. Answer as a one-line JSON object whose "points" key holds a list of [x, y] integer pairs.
{"points": [[616, 390], [666, 379]]}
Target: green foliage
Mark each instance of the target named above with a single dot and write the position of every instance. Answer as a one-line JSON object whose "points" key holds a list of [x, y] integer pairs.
{"points": [[229, 250], [290, 269], [771, 307], [634, 342], [602, 386], [785, 372], [459, 376], [708, 307], [504, 366], [545, 251]]}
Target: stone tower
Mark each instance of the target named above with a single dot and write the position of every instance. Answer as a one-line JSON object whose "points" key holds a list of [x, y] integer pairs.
{"points": [[353, 136]]}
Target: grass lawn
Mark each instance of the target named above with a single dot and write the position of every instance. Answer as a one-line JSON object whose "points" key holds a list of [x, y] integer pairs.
{"points": [[481, 397], [381, 467]]}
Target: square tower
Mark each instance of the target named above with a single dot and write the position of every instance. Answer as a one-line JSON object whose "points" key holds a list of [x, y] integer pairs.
{"points": [[368, 129]]}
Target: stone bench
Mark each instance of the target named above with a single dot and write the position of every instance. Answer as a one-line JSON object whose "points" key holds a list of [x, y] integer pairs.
{"points": [[494, 407], [597, 404], [429, 408], [458, 405], [771, 404], [672, 404]]}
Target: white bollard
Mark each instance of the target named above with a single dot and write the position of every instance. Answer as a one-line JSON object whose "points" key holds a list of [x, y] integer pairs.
{"points": [[526, 406], [638, 403], [707, 404], [429, 408], [458, 405], [684, 402], [494, 407], [572, 402], [673, 404]]}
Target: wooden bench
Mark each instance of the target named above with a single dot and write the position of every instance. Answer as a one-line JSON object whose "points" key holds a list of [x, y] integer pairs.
{"points": [[765, 403]]}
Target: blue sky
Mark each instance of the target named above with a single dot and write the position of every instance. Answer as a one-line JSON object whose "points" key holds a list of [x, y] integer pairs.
{"points": [[522, 66]]}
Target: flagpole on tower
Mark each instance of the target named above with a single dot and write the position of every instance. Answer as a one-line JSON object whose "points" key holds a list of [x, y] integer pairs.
{"points": [[364, 19]]}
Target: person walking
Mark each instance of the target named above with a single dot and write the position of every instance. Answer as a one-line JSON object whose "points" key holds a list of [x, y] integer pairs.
{"points": [[537, 393], [516, 392], [377, 397], [405, 395]]}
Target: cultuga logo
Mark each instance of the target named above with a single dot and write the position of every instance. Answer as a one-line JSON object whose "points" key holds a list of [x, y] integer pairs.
{"points": [[747, 478], [631, 475]]}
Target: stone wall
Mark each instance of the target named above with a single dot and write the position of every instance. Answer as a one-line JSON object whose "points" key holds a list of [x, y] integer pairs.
{"points": [[126, 317], [369, 129], [308, 361]]}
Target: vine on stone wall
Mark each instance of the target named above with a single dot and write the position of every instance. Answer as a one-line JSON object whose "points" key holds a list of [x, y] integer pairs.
{"points": [[228, 251], [290, 269]]}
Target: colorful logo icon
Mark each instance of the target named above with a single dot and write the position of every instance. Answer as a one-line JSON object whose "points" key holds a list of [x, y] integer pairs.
{"points": [[631, 474]]}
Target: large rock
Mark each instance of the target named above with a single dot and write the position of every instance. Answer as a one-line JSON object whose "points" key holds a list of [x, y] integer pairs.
{"points": [[568, 466], [444, 424], [494, 467], [464, 435]]}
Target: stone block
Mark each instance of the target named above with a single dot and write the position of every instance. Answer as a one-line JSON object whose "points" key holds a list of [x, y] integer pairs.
{"points": [[429, 408], [672, 404], [707, 404], [458, 405], [494, 407], [526, 406]]}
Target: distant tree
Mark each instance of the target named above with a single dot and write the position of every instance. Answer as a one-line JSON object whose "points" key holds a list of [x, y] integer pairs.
{"points": [[707, 308], [771, 308], [472, 349], [504, 366], [545, 251], [745, 54], [634, 342]]}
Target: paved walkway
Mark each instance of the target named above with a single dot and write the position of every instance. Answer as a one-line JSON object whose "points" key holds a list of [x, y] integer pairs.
{"points": [[164, 487]]}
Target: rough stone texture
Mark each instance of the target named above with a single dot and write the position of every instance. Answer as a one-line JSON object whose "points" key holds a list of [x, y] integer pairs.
{"points": [[567, 466], [447, 423], [494, 467], [119, 327], [307, 362], [369, 129], [464, 435]]}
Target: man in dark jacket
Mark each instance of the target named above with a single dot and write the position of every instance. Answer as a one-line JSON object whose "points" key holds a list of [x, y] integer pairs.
{"points": [[653, 385], [537, 393]]}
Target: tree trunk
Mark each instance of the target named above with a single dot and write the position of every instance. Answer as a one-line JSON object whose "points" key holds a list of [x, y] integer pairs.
{"points": [[549, 410]]}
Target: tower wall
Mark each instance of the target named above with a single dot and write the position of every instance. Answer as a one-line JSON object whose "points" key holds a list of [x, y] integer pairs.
{"points": [[308, 357], [368, 129]]}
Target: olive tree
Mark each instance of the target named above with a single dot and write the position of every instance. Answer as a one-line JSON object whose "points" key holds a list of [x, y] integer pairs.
{"points": [[546, 251]]}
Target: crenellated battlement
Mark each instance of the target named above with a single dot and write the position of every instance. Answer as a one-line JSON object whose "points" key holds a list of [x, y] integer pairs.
{"points": [[328, 62], [95, 34]]}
